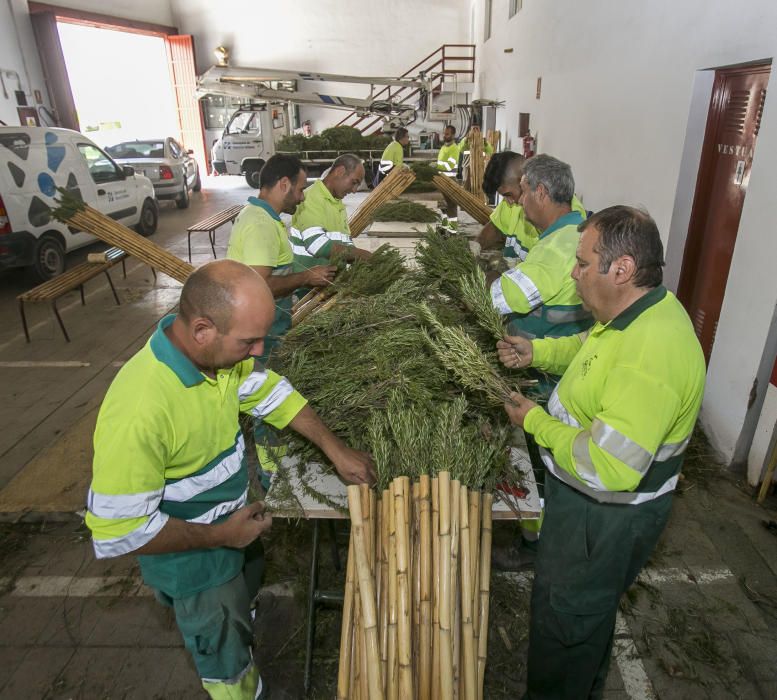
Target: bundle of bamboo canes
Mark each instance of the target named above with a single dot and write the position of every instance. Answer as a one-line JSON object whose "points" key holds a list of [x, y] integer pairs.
{"points": [[415, 616], [477, 162], [393, 185], [494, 137], [83, 217], [475, 207]]}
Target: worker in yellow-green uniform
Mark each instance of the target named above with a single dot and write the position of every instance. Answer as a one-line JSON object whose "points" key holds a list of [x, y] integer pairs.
{"points": [[508, 228], [538, 295], [393, 155], [448, 165], [260, 239], [319, 228], [613, 439], [170, 482]]}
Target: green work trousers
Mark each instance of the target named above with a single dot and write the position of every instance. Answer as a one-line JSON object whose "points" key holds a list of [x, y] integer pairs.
{"points": [[217, 630], [588, 555]]}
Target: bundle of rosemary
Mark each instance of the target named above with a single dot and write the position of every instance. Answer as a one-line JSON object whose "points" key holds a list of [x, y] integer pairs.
{"points": [[404, 210]]}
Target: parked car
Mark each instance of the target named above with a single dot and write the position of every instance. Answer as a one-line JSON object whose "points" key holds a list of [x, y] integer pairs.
{"points": [[165, 162], [34, 162]]}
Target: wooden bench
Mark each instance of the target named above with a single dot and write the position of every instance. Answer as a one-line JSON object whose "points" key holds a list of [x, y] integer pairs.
{"points": [[210, 225], [76, 276]]}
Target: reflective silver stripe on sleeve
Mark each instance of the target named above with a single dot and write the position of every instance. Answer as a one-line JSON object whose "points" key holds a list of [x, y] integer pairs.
{"points": [[385, 166], [251, 384], [558, 410], [452, 173], [669, 450], [221, 509], [616, 497], [300, 250], [132, 540], [584, 465], [498, 297], [189, 487], [513, 244], [278, 394], [525, 284], [311, 232], [443, 164], [129, 505], [329, 237], [566, 315], [619, 446]]}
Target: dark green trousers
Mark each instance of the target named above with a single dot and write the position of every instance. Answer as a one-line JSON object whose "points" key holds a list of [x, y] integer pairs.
{"points": [[588, 555]]}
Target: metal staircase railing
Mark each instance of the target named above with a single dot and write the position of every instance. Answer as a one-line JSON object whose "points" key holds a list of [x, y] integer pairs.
{"points": [[449, 59]]}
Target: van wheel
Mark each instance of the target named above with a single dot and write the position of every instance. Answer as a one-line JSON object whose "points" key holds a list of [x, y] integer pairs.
{"points": [[149, 216], [49, 258], [182, 202], [252, 178], [197, 186]]}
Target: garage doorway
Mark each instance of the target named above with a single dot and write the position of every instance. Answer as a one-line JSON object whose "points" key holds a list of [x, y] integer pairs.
{"points": [[124, 96]]}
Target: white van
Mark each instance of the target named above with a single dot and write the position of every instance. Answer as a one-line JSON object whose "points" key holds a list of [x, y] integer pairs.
{"points": [[34, 161]]}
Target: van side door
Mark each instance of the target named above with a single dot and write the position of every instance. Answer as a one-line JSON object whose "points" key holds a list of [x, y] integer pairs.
{"points": [[116, 194]]}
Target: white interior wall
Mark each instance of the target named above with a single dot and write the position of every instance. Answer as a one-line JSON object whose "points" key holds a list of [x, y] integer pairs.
{"points": [[624, 101], [355, 37], [18, 55]]}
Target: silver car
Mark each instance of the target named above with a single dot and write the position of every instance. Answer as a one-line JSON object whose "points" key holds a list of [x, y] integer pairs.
{"points": [[172, 169]]}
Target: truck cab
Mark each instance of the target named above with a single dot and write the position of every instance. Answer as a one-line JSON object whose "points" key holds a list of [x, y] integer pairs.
{"points": [[248, 140]]}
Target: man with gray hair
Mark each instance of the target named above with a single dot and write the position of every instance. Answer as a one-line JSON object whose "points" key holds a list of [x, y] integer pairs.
{"points": [[539, 293], [319, 228]]}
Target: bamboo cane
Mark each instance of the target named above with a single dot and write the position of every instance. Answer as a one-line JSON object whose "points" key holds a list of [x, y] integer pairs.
{"points": [[768, 477], [475, 140], [394, 184], [386, 503], [304, 300], [404, 634], [468, 665], [477, 209], [425, 576], [392, 673], [346, 630], [475, 498], [415, 579], [485, 588], [366, 593], [446, 640], [455, 596], [435, 588], [115, 234]]}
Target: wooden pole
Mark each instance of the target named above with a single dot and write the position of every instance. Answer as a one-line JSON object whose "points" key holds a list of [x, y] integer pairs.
{"points": [[392, 672], [485, 588], [468, 668], [446, 612], [386, 503], [366, 594], [768, 476], [435, 563], [346, 631], [474, 553], [425, 576], [455, 594], [404, 635], [475, 207]]}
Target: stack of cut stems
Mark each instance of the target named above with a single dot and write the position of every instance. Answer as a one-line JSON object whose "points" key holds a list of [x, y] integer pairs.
{"points": [[114, 233], [475, 207], [494, 137], [415, 615], [476, 163], [393, 185]]}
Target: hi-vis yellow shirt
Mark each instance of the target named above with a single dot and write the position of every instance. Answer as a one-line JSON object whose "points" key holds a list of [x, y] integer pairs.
{"points": [[168, 444], [620, 419]]}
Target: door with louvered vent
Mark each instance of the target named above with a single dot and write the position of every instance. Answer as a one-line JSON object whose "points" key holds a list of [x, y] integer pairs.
{"points": [[732, 127]]}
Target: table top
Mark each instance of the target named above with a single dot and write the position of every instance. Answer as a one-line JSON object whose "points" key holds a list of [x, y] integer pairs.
{"points": [[332, 503]]}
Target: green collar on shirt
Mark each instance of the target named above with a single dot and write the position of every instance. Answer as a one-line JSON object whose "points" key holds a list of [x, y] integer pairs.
{"points": [[572, 219], [167, 353], [624, 318], [263, 205]]}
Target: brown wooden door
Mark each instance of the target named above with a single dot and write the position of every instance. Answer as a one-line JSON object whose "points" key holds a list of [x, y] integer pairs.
{"points": [[732, 127], [180, 54]]}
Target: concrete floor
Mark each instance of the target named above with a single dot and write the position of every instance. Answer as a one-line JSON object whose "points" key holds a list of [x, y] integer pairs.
{"points": [[701, 623]]}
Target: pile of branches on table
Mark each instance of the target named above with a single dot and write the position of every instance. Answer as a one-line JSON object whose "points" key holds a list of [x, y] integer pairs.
{"points": [[404, 210]]}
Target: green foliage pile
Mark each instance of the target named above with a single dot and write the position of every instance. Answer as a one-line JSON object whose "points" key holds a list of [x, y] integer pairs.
{"points": [[424, 172], [409, 374], [336, 138], [404, 210]]}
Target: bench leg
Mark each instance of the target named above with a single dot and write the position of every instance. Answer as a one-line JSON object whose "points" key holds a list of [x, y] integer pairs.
{"points": [[59, 320], [81, 289], [113, 289], [124, 267], [153, 272], [212, 237], [24, 321], [189, 245]]}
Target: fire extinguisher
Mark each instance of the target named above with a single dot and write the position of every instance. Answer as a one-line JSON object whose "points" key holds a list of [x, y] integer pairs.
{"points": [[529, 144]]}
